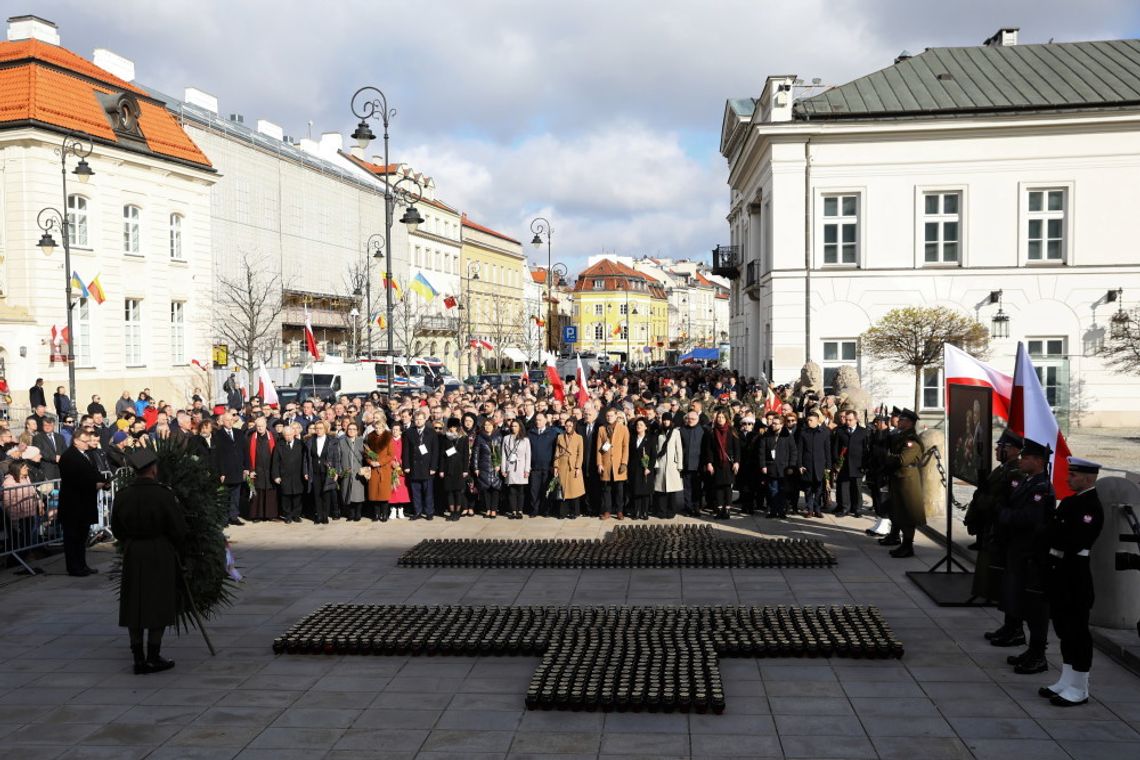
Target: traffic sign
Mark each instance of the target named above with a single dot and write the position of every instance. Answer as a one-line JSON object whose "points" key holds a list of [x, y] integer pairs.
{"points": [[570, 334]]}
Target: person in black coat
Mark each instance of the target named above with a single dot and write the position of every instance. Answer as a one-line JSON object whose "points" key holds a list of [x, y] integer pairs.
{"points": [[642, 466], [63, 403], [848, 449], [720, 460], [488, 478], [588, 429], [692, 475], [36, 394], [324, 462], [452, 468], [80, 483], [781, 459], [420, 458], [748, 478], [291, 471], [51, 446], [229, 463], [814, 450]]}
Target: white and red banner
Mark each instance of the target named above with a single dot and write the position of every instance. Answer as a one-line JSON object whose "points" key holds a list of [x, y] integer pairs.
{"points": [[582, 395], [963, 369], [265, 390], [555, 380], [1031, 417], [524, 381], [310, 338]]}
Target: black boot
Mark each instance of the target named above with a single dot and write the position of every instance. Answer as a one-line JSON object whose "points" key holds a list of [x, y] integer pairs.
{"points": [[1031, 663], [1012, 638], [155, 661], [141, 666]]}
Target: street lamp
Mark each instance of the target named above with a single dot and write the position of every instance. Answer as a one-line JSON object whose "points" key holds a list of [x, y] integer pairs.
{"points": [[355, 314], [541, 226], [370, 103], [999, 324], [374, 244], [50, 218], [472, 275]]}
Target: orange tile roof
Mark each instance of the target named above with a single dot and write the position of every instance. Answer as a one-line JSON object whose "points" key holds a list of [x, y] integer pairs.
{"points": [[47, 84], [538, 275], [376, 169], [475, 226]]}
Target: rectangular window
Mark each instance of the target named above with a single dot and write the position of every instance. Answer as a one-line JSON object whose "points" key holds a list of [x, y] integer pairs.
{"points": [[840, 229], [83, 333], [1045, 220], [1049, 357], [836, 353], [932, 388], [131, 230], [132, 332], [176, 237], [599, 331], [623, 309], [941, 226], [599, 284], [177, 332], [597, 310], [77, 221]]}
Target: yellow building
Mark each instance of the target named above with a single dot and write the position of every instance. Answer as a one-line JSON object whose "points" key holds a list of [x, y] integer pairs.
{"points": [[492, 273], [618, 310]]}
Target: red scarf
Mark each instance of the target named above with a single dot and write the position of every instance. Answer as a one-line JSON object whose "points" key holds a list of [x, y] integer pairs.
{"points": [[721, 433], [253, 449]]}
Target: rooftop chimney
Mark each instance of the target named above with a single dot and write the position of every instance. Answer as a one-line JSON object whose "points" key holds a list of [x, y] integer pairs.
{"points": [[202, 99], [331, 143], [1004, 37], [269, 129], [30, 27], [116, 64]]}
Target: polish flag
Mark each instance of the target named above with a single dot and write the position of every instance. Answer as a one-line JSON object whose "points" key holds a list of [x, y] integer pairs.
{"points": [[524, 381], [963, 369], [580, 380], [1031, 418], [243, 384], [555, 380], [310, 338], [265, 390]]}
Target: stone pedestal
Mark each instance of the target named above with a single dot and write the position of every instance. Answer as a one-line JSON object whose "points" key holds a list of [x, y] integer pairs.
{"points": [[933, 491], [1117, 602]]}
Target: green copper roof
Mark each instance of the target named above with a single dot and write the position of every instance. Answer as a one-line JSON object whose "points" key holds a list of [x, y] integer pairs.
{"points": [[961, 81]]}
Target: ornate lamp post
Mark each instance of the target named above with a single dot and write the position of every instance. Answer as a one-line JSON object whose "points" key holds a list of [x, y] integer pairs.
{"points": [[375, 247], [541, 226], [368, 104], [51, 218]]}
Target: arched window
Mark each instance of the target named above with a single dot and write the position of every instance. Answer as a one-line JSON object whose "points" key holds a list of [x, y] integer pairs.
{"points": [[131, 215], [176, 236], [77, 221]]}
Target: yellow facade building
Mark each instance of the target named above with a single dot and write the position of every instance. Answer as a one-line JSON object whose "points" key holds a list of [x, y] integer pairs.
{"points": [[622, 313], [493, 273]]}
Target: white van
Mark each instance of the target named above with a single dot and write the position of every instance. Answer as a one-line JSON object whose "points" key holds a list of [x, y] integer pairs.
{"points": [[408, 375], [333, 377]]}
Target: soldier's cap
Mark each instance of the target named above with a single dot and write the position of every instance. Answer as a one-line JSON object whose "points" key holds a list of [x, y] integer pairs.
{"points": [[906, 414], [1076, 464], [1035, 449], [140, 459], [1010, 438], [895, 411], [880, 418]]}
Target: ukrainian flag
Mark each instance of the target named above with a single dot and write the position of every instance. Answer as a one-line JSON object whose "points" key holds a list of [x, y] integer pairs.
{"points": [[423, 287], [78, 286]]}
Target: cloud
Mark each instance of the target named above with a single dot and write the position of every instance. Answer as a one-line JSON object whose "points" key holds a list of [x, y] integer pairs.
{"points": [[603, 114]]}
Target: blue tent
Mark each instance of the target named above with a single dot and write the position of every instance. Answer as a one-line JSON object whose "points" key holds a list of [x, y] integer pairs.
{"points": [[701, 355]]}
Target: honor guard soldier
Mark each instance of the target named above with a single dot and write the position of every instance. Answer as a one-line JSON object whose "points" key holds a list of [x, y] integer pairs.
{"points": [[981, 515], [1072, 531], [1021, 533], [904, 455], [148, 522]]}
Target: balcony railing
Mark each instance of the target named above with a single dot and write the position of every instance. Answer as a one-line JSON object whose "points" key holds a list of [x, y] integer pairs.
{"points": [[726, 261], [437, 323]]}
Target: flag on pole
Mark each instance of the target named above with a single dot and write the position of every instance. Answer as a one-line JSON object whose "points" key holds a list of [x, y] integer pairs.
{"points": [[78, 286], [265, 390], [310, 338], [450, 302], [963, 369], [524, 381], [554, 379], [617, 329], [539, 321], [580, 380], [421, 286], [95, 289], [1030, 417], [198, 364], [392, 285]]}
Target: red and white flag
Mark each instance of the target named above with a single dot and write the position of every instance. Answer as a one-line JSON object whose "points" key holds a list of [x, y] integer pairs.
{"points": [[555, 380], [243, 383], [580, 380], [1031, 418], [265, 390], [524, 381], [963, 369], [310, 338]]}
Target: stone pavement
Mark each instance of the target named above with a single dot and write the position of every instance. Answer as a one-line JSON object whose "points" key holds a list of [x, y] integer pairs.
{"points": [[66, 689]]}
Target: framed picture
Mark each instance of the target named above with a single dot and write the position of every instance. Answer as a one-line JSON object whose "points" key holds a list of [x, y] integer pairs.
{"points": [[969, 435]]}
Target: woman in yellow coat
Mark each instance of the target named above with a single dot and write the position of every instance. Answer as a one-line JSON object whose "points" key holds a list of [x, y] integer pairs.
{"points": [[568, 451]]}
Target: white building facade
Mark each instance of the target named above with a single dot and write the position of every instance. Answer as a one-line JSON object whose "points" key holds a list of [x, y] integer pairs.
{"points": [[1007, 187]]}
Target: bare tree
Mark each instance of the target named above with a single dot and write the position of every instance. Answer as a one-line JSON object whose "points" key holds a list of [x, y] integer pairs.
{"points": [[531, 338], [247, 313], [407, 313], [1122, 349], [355, 280], [505, 324]]}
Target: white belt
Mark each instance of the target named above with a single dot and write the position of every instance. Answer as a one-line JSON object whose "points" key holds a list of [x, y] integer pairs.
{"points": [[1061, 555]]}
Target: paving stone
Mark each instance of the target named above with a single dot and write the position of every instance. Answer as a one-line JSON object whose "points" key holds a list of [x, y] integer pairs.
{"points": [[315, 717], [997, 728], [735, 745], [148, 734], [466, 740], [556, 743], [645, 744], [479, 720], [297, 738], [827, 747], [812, 725], [395, 740], [1019, 749], [908, 748]]}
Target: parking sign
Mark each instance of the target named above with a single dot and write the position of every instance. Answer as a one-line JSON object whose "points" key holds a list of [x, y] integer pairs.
{"points": [[570, 334]]}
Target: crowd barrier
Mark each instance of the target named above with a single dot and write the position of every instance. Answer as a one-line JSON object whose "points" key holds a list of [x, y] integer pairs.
{"points": [[31, 518]]}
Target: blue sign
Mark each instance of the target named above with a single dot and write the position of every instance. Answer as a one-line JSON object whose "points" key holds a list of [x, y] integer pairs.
{"points": [[570, 334]]}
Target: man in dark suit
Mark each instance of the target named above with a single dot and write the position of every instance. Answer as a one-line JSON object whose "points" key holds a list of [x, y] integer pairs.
{"points": [[421, 453], [52, 446], [588, 429], [36, 394], [80, 482], [322, 458], [692, 438], [848, 444], [290, 470], [229, 462]]}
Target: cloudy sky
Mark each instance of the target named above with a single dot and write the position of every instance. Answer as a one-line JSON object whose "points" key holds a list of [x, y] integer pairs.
{"points": [[603, 116]]}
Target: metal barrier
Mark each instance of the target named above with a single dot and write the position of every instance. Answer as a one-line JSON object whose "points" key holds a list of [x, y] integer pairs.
{"points": [[31, 519]]}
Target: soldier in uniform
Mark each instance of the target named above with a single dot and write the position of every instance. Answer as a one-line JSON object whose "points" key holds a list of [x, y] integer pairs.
{"points": [[1072, 530], [905, 486], [982, 514], [1020, 531], [149, 523]]}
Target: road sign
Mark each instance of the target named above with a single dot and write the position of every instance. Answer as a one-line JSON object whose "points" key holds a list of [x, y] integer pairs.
{"points": [[570, 334]]}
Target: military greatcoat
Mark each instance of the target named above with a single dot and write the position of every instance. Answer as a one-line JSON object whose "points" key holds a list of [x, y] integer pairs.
{"points": [[148, 521]]}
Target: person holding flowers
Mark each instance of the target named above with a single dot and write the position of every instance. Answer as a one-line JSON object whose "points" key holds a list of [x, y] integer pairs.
{"points": [[323, 456], [397, 479], [352, 471], [642, 458], [488, 460]]}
